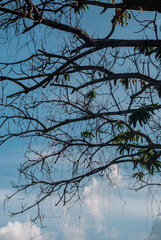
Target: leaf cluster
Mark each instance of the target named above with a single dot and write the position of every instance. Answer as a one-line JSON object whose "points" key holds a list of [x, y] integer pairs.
{"points": [[81, 7], [148, 50], [91, 95], [87, 134], [142, 114], [121, 17], [125, 82], [144, 50], [147, 161], [126, 140]]}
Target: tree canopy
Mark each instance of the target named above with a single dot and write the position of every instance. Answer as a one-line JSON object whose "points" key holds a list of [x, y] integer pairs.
{"points": [[81, 97]]}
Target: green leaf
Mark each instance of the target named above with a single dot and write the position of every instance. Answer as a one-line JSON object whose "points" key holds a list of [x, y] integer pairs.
{"points": [[87, 134], [81, 7], [138, 175], [147, 160], [91, 95], [66, 76], [142, 114], [144, 50]]}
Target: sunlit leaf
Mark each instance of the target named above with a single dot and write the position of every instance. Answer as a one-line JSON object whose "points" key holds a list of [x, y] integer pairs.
{"points": [[141, 9]]}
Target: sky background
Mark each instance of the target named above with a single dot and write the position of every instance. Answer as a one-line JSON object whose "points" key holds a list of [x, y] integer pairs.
{"points": [[106, 213]]}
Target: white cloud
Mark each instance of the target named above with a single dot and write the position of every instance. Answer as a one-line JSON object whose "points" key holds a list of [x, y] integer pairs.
{"points": [[115, 174], [156, 229], [72, 231], [95, 200], [114, 233], [103, 201], [104, 213], [23, 231]]}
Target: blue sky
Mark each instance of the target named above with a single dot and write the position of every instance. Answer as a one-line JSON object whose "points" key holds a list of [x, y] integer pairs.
{"points": [[106, 212]]}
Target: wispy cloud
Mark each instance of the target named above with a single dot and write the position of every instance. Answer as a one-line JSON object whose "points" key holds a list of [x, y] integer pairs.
{"points": [[73, 231], [156, 229], [114, 233], [94, 200]]}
